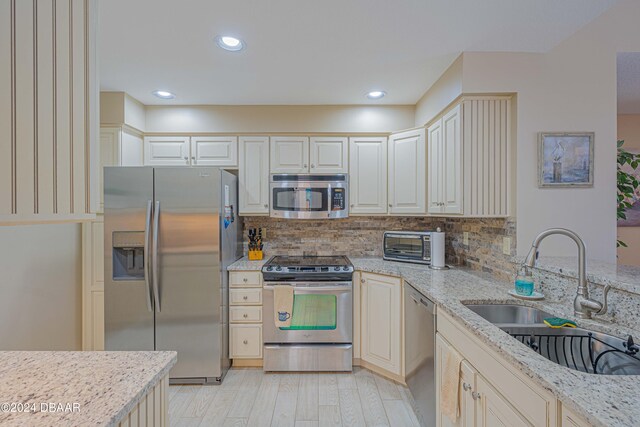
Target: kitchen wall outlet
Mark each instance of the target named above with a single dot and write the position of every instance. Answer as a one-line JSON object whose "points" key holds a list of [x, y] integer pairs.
{"points": [[506, 245], [264, 233], [465, 238]]}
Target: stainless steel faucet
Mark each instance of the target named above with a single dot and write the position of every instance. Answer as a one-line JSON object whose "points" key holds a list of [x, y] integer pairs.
{"points": [[583, 306]]}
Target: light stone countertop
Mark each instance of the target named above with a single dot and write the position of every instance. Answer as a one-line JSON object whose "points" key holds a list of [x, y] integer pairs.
{"points": [[243, 264], [603, 400], [107, 385]]}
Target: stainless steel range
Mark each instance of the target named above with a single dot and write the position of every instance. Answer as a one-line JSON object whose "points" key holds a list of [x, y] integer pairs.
{"points": [[307, 314]]}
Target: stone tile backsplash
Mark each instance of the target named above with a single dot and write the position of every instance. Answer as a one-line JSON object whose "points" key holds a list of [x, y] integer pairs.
{"points": [[362, 237]]}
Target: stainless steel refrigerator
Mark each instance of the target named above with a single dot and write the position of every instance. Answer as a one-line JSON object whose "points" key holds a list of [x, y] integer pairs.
{"points": [[169, 235]]}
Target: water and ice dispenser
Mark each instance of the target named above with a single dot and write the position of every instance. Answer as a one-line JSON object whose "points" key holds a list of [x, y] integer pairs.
{"points": [[128, 255]]}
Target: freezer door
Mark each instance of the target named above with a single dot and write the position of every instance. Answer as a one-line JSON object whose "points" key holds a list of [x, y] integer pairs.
{"points": [[188, 304], [128, 316]]}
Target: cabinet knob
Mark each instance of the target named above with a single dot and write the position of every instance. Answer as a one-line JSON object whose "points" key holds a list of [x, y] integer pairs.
{"points": [[244, 280], [245, 342], [245, 315], [304, 166], [186, 158], [193, 159], [390, 205], [312, 166], [475, 395], [466, 387], [266, 206], [245, 297], [362, 280], [352, 205]]}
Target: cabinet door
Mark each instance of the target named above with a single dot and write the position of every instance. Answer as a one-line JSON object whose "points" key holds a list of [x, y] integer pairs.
{"points": [[328, 155], [109, 156], [467, 386], [452, 160], [435, 168], [381, 325], [253, 175], [166, 150], [214, 151], [493, 409], [289, 154], [407, 175], [368, 175]]}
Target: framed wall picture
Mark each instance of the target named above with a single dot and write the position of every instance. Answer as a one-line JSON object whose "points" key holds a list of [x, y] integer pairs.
{"points": [[565, 159]]}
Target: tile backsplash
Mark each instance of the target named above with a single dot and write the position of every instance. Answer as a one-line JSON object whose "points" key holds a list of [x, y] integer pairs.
{"points": [[362, 237]]}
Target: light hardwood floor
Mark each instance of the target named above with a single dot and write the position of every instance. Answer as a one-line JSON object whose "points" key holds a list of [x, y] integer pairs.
{"points": [[250, 397]]}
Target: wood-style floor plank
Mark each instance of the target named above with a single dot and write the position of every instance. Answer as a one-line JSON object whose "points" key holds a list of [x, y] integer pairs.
{"points": [[374, 413], [307, 405], [329, 416], [328, 390], [251, 397], [284, 413], [350, 408]]}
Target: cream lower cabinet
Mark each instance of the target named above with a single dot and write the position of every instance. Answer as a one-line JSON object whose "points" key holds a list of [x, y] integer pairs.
{"points": [[245, 315], [381, 322], [493, 394]]}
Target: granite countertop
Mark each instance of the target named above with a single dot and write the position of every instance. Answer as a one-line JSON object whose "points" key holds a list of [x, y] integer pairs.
{"points": [[605, 401], [243, 264], [104, 385], [624, 277]]}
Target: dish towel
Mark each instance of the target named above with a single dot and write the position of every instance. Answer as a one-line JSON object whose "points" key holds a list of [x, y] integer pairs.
{"points": [[450, 388], [283, 305]]}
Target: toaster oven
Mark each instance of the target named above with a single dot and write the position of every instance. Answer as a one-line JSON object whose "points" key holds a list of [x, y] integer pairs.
{"points": [[409, 246]]}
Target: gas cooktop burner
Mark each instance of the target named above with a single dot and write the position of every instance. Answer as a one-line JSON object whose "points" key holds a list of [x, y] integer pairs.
{"points": [[313, 268]]}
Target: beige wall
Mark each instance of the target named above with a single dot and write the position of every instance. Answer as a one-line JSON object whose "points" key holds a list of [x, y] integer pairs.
{"points": [[571, 88], [443, 92], [272, 118], [40, 289], [629, 131], [119, 108]]}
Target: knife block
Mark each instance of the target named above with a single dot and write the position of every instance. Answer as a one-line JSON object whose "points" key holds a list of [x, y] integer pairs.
{"points": [[255, 255]]}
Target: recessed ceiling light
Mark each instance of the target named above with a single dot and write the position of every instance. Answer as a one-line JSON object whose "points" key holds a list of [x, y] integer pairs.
{"points": [[376, 94], [229, 43], [163, 94]]}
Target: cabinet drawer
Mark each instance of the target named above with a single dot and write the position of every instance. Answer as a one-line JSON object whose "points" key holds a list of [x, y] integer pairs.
{"points": [[246, 341], [244, 314], [245, 279], [251, 296]]}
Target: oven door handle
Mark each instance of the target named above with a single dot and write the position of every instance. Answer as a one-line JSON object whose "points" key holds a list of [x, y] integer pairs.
{"points": [[341, 288]]}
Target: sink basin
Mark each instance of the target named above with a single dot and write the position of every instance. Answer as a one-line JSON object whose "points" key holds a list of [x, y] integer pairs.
{"points": [[575, 348], [579, 349], [509, 313]]}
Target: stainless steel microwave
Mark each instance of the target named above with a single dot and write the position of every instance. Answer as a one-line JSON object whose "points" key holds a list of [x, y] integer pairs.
{"points": [[408, 246], [307, 196]]}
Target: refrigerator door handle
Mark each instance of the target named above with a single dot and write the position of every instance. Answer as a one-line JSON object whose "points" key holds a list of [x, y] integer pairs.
{"points": [[154, 255], [147, 269]]}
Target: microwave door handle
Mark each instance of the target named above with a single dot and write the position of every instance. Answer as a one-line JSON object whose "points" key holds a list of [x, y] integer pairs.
{"points": [[147, 267], [154, 276]]}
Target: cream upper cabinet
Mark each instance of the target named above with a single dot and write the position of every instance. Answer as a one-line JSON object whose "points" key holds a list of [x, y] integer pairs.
{"points": [[253, 175], [368, 175], [110, 139], [289, 154], [381, 321], [328, 154], [407, 174], [167, 150], [445, 175], [214, 151]]}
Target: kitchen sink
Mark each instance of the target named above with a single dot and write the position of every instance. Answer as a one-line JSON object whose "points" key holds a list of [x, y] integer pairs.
{"points": [[509, 313], [575, 348]]}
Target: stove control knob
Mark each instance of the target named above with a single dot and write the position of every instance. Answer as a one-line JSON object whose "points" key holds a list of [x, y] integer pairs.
{"points": [[336, 268], [278, 268], [345, 268], [269, 268]]}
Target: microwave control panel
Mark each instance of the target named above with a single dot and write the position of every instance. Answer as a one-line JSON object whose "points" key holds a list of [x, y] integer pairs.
{"points": [[338, 202]]}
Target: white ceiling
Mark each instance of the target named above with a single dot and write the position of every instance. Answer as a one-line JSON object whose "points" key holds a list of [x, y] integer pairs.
{"points": [[629, 83], [315, 52]]}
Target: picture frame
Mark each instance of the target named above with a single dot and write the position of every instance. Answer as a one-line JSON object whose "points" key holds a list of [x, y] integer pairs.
{"points": [[565, 159]]}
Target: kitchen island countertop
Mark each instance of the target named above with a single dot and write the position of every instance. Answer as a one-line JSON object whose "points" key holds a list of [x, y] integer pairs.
{"points": [[97, 388], [604, 400]]}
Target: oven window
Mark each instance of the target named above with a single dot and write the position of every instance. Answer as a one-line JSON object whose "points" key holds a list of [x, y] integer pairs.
{"points": [[300, 199], [403, 246], [313, 312]]}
